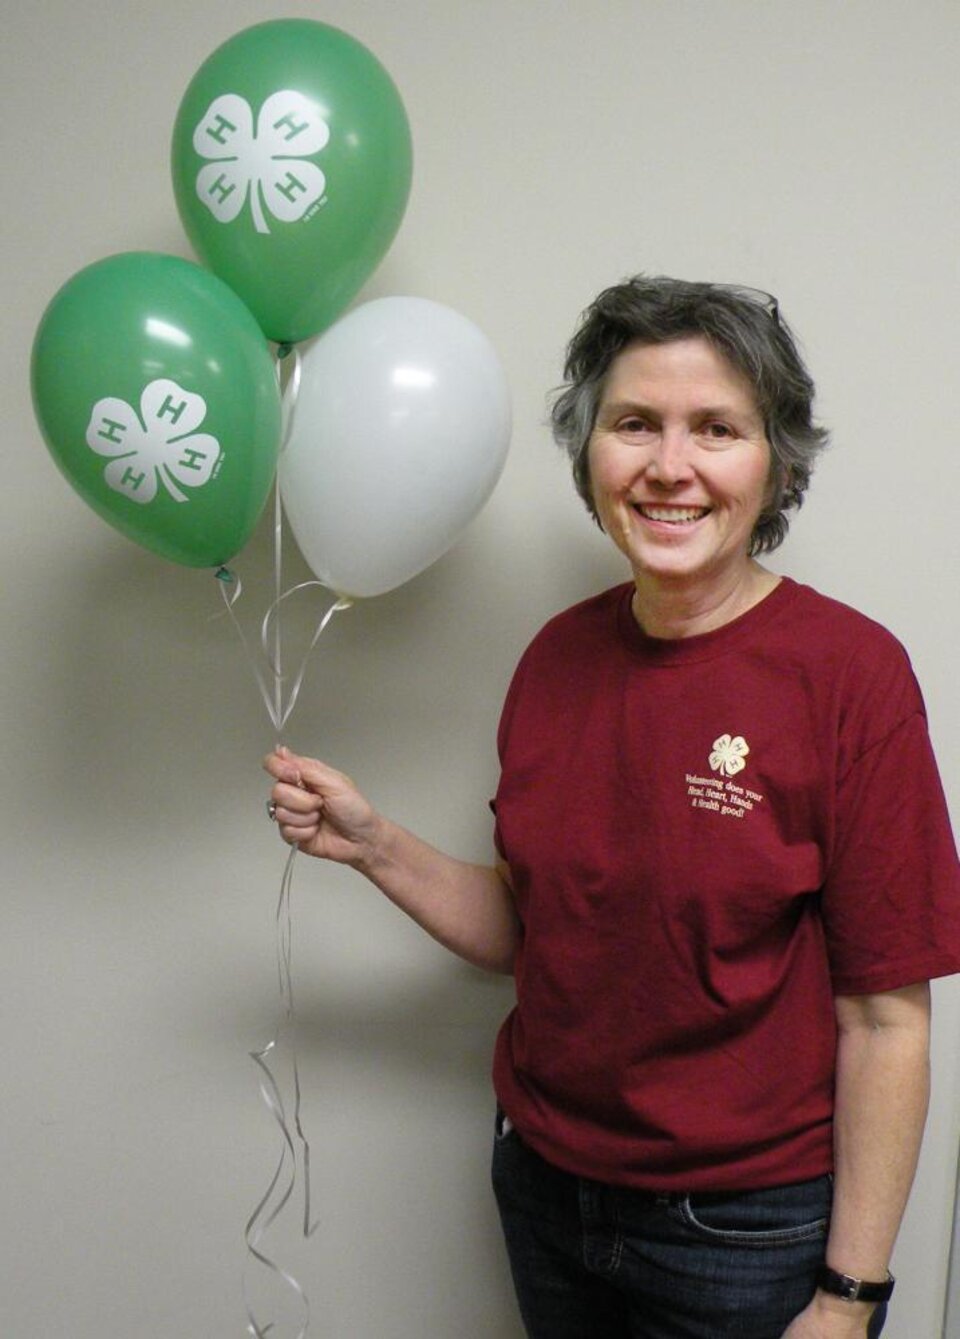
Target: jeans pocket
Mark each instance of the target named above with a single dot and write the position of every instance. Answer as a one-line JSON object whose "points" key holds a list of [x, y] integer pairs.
{"points": [[780, 1216]]}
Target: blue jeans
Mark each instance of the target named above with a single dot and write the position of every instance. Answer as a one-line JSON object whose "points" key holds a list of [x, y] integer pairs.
{"points": [[595, 1261]]}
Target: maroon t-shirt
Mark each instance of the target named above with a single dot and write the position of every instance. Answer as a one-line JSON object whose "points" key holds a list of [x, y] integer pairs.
{"points": [[709, 838]]}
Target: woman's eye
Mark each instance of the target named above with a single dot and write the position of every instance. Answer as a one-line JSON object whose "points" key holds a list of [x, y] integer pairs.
{"points": [[718, 432], [633, 426]]}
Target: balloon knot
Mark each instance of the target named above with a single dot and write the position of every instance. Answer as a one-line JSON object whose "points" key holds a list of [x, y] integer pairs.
{"points": [[283, 350], [224, 574]]}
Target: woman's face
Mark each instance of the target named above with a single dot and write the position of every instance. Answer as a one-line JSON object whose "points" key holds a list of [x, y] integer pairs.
{"points": [[679, 463]]}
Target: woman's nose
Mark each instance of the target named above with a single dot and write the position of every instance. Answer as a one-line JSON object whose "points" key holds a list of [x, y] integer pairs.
{"points": [[670, 459]]}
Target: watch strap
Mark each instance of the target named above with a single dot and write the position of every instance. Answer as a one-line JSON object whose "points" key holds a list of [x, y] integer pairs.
{"points": [[851, 1289]]}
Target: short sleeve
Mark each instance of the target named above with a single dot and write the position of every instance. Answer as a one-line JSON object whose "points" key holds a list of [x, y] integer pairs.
{"points": [[891, 901]]}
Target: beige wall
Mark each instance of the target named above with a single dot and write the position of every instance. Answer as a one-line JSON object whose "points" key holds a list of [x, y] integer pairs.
{"points": [[797, 145]]}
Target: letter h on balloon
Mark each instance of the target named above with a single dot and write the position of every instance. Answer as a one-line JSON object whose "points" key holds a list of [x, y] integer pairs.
{"points": [[171, 410], [193, 459], [295, 127], [112, 431], [291, 188], [216, 132]]}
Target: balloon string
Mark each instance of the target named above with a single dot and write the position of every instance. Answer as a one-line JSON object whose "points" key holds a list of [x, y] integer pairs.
{"points": [[278, 710], [340, 604], [290, 389], [231, 588], [261, 1219], [285, 963], [295, 1146], [278, 718]]}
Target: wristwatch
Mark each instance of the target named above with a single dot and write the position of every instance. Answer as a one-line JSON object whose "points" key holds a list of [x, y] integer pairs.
{"points": [[851, 1289]]}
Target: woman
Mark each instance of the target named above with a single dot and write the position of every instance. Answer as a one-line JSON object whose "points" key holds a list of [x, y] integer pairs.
{"points": [[721, 900]]}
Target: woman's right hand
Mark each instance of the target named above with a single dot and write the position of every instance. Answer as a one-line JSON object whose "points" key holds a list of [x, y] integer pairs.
{"points": [[320, 810], [466, 907]]}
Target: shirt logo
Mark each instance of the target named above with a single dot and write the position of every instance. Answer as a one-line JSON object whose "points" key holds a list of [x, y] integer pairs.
{"points": [[729, 754], [717, 793]]}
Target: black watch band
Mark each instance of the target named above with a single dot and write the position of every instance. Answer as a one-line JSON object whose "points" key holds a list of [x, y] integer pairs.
{"points": [[851, 1289]]}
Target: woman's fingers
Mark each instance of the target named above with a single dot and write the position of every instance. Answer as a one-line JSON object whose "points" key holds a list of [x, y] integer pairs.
{"points": [[306, 773], [318, 808], [295, 836], [283, 766], [292, 798], [297, 817], [298, 826]]}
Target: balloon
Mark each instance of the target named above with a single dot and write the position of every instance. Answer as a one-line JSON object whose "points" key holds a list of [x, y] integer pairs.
{"points": [[398, 436], [291, 168], [157, 395]]}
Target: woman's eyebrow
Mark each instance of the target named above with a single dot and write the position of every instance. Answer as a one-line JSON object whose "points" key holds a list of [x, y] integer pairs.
{"points": [[614, 408], [617, 407]]}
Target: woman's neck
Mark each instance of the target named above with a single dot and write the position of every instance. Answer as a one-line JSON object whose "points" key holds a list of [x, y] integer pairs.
{"points": [[671, 611]]}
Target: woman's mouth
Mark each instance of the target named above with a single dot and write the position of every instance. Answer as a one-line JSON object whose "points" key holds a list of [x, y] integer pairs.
{"points": [[670, 515]]}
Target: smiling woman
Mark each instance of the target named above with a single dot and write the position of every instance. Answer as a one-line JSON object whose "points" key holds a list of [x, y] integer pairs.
{"points": [[680, 472], [720, 904], [688, 419], [745, 328]]}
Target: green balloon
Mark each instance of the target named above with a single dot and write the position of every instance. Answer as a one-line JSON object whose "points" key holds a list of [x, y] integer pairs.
{"points": [[291, 167], [157, 395]]}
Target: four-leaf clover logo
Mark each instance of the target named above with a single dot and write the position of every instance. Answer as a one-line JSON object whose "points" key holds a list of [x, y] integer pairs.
{"points": [[729, 754], [265, 163], [157, 446]]}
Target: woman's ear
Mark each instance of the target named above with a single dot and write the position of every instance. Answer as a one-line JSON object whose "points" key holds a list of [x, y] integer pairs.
{"points": [[780, 487]]}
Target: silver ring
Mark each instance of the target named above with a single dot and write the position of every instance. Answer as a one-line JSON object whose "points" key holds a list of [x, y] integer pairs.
{"points": [[272, 811]]}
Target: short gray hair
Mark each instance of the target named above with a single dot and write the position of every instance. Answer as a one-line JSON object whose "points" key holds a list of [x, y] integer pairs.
{"points": [[746, 328]]}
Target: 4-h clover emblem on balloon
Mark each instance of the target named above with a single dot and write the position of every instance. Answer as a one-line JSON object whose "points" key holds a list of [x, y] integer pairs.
{"points": [[267, 165], [157, 396], [157, 446]]}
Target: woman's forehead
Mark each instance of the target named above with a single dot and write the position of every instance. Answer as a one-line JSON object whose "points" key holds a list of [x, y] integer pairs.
{"points": [[685, 369]]}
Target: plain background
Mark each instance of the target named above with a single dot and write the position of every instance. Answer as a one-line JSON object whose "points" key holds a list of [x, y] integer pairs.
{"points": [[807, 147]]}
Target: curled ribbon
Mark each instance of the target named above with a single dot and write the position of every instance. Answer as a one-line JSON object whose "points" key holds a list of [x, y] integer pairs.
{"points": [[279, 710], [284, 1181], [294, 1156]]}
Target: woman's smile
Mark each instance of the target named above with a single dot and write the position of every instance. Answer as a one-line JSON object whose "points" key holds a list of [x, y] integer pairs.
{"points": [[670, 515]]}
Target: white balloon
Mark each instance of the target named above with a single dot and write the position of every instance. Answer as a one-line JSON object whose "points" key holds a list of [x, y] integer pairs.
{"points": [[399, 434]]}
